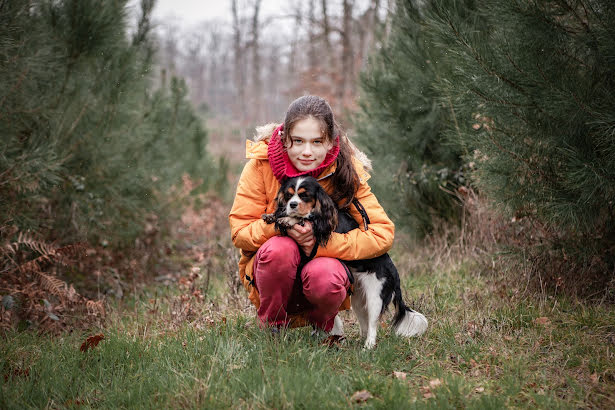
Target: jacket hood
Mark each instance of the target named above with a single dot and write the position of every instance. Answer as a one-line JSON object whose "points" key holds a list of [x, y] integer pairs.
{"points": [[257, 148]]}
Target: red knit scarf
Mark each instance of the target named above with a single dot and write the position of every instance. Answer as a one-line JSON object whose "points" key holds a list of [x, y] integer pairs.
{"points": [[280, 163]]}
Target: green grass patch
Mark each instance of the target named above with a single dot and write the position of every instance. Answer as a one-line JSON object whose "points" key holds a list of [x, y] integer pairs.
{"points": [[484, 348]]}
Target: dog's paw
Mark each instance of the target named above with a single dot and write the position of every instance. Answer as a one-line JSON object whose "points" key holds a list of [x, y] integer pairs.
{"points": [[286, 221], [268, 218], [369, 343]]}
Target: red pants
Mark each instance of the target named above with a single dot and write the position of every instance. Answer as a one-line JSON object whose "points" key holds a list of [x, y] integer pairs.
{"points": [[324, 284]]}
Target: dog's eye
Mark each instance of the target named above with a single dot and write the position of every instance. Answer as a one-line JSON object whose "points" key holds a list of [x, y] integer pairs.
{"points": [[304, 195], [287, 196]]}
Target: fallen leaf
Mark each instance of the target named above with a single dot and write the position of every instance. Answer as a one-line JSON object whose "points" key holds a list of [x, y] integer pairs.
{"points": [[361, 396], [433, 383], [479, 389], [543, 320], [91, 342], [426, 391], [400, 375], [473, 328], [473, 363], [594, 377], [16, 372], [333, 340]]}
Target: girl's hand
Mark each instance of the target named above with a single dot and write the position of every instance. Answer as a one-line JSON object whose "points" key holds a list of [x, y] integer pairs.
{"points": [[304, 236]]}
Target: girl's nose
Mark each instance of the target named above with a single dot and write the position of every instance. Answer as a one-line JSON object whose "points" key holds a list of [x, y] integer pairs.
{"points": [[307, 150]]}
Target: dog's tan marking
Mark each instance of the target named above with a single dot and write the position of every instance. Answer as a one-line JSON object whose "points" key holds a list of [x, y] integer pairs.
{"points": [[291, 190], [301, 190], [304, 208], [317, 206]]}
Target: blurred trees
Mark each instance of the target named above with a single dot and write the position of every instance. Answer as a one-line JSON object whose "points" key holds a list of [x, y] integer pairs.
{"points": [[87, 145], [255, 65]]}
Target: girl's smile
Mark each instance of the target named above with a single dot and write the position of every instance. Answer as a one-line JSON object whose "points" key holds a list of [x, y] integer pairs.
{"points": [[309, 146]]}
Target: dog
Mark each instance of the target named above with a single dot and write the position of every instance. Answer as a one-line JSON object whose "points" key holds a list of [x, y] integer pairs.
{"points": [[376, 280]]}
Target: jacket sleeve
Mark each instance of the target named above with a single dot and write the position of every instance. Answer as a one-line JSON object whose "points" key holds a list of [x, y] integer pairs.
{"points": [[361, 243], [248, 230]]}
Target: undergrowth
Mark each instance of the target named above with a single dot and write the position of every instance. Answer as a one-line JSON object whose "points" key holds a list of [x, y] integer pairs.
{"points": [[189, 338]]}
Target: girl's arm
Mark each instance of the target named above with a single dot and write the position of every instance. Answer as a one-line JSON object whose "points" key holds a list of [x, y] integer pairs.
{"points": [[248, 230], [359, 243]]}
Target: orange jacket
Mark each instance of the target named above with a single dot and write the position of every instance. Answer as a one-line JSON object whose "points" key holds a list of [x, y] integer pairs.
{"points": [[256, 193]]}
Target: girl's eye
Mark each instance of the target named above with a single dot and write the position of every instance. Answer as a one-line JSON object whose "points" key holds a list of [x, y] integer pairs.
{"points": [[318, 142], [297, 141]]}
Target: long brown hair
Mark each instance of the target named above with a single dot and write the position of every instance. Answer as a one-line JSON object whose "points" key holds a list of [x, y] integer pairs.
{"points": [[345, 179]]}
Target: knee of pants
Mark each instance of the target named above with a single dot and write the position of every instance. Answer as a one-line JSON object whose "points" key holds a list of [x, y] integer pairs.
{"points": [[325, 280], [278, 255]]}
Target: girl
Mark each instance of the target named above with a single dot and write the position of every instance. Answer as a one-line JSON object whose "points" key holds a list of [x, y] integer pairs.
{"points": [[309, 142]]}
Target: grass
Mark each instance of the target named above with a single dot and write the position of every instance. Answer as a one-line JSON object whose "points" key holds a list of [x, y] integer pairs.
{"points": [[488, 346]]}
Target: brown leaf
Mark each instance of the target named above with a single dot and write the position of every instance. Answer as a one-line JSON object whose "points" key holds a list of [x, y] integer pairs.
{"points": [[543, 320], [91, 342], [74, 403], [433, 383], [361, 396], [16, 372], [473, 328], [400, 375], [426, 391], [333, 341], [594, 377]]}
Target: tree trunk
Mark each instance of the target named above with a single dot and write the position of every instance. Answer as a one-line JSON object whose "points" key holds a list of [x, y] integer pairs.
{"points": [[240, 80], [347, 74], [257, 88]]}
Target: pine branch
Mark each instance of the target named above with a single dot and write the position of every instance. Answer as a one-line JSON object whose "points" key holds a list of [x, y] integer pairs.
{"points": [[22, 76]]}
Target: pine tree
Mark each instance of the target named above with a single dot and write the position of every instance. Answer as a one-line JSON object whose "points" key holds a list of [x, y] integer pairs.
{"points": [[402, 122], [88, 150], [534, 96]]}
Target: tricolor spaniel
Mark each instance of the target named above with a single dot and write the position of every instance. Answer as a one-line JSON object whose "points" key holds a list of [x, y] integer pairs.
{"points": [[376, 281]]}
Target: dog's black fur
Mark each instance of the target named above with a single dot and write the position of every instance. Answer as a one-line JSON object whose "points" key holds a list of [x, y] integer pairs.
{"points": [[382, 266]]}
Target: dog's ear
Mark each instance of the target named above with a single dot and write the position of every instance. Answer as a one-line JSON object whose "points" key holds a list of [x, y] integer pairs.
{"points": [[325, 217], [280, 210]]}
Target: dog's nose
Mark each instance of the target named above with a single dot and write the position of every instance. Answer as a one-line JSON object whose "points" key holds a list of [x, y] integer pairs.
{"points": [[292, 205]]}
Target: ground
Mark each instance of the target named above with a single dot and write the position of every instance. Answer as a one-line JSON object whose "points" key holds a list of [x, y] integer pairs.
{"points": [[189, 338]]}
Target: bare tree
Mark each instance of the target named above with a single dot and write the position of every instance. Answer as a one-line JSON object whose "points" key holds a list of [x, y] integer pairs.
{"points": [[367, 28], [247, 70], [347, 69], [239, 63], [256, 89]]}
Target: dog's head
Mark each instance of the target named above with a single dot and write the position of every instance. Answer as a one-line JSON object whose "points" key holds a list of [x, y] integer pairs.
{"points": [[303, 197]]}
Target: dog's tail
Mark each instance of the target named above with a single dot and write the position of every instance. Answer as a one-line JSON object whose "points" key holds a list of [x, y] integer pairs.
{"points": [[407, 322]]}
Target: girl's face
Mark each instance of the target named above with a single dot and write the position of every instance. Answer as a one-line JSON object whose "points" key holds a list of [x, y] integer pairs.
{"points": [[309, 145]]}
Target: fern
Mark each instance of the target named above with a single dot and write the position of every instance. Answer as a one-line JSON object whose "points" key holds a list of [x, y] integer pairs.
{"points": [[53, 285]]}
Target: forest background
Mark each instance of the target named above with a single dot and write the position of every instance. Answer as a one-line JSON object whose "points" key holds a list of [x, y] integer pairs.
{"points": [[490, 125]]}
